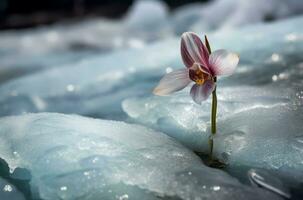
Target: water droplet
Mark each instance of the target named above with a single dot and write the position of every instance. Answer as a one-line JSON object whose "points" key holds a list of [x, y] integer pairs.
{"points": [[283, 76], [274, 78], [136, 43], [123, 197], [291, 37], [95, 160], [7, 188], [216, 188], [70, 88], [63, 188], [16, 153], [299, 98], [275, 57], [168, 70]]}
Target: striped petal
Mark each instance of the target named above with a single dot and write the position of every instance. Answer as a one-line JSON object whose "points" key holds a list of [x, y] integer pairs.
{"points": [[200, 93], [172, 82], [197, 66], [223, 63], [193, 50]]}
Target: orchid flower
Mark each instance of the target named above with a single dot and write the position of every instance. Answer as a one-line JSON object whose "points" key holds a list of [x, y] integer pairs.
{"points": [[202, 68]]}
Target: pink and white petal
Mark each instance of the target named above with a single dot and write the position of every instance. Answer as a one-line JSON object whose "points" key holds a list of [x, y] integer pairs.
{"points": [[223, 63], [172, 82], [193, 50], [200, 93]]}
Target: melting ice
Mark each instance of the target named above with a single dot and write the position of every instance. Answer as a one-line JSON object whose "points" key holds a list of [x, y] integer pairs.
{"points": [[73, 157], [259, 120]]}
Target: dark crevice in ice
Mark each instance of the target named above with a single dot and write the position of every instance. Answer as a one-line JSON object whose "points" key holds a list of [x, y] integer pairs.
{"points": [[20, 178]]}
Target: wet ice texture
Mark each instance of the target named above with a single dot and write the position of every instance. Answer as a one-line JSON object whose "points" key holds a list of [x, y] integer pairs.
{"points": [[232, 13], [72, 157], [260, 106], [97, 85], [259, 130], [27, 51]]}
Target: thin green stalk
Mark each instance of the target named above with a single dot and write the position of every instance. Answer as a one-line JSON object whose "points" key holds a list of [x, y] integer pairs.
{"points": [[213, 120], [213, 109], [214, 112]]}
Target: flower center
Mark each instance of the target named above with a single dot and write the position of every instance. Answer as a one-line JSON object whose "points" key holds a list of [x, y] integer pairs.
{"points": [[198, 76]]}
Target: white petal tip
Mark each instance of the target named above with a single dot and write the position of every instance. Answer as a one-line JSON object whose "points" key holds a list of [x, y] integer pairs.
{"points": [[223, 63], [156, 92], [237, 56], [172, 82], [159, 92]]}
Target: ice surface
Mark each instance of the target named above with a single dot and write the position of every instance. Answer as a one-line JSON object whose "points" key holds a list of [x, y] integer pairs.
{"points": [[260, 107], [232, 13], [261, 178], [73, 157], [27, 51], [150, 19], [96, 85], [90, 34], [44, 47], [91, 67]]}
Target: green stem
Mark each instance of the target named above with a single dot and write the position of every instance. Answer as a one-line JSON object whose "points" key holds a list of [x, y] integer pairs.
{"points": [[213, 120], [213, 109]]}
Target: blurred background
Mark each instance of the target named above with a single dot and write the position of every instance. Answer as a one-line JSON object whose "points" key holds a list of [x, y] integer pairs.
{"points": [[21, 14], [44, 41], [51, 38]]}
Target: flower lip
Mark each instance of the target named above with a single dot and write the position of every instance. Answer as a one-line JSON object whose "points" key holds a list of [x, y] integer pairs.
{"points": [[200, 93], [197, 75]]}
